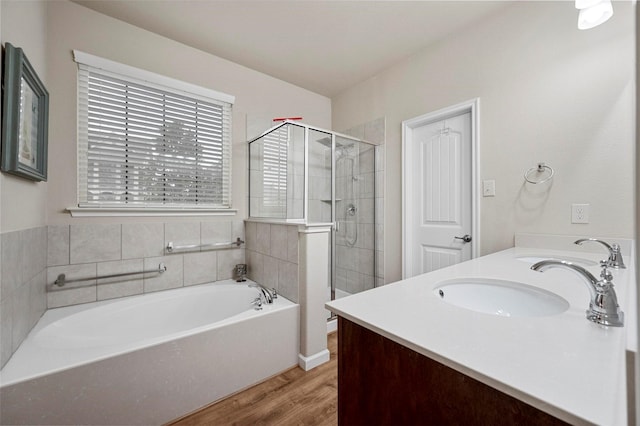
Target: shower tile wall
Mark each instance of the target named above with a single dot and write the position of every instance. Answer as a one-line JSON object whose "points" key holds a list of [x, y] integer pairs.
{"points": [[354, 263], [90, 250], [23, 263]]}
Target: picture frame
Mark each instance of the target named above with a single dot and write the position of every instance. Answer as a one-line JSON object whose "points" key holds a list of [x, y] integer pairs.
{"points": [[25, 118]]}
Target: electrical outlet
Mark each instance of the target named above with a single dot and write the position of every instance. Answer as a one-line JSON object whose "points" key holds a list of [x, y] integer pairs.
{"points": [[579, 213], [489, 188]]}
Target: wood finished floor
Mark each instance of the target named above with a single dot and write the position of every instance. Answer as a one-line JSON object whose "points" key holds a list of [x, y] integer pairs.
{"points": [[294, 397]]}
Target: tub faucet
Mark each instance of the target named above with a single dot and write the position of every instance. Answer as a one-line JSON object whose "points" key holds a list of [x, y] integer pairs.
{"points": [[603, 308], [265, 293], [615, 257]]}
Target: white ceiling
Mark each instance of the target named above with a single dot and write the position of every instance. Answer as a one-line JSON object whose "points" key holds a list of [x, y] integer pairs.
{"points": [[323, 46]]}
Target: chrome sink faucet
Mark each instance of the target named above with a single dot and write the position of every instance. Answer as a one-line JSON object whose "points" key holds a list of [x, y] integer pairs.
{"points": [[615, 256], [603, 308]]}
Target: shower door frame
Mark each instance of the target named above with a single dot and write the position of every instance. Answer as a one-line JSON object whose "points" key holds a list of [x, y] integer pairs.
{"points": [[305, 215], [334, 227]]}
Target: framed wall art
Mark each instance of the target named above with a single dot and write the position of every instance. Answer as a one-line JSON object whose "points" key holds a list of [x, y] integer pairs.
{"points": [[25, 118]]}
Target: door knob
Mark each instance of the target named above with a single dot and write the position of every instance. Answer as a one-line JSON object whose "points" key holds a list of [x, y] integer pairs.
{"points": [[466, 238]]}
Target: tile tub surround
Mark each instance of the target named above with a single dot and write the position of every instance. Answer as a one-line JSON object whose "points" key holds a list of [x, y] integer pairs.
{"points": [[91, 250], [23, 260], [272, 256]]}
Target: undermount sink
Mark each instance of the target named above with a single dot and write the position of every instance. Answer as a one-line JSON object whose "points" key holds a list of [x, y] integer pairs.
{"points": [[500, 297], [576, 260]]}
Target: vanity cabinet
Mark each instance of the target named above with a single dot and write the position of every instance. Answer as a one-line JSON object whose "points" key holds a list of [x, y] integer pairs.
{"points": [[381, 382]]}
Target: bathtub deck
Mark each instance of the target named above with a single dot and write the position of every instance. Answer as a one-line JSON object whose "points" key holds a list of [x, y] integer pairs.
{"points": [[293, 397]]}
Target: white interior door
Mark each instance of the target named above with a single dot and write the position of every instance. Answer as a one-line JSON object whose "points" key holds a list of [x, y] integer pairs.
{"points": [[438, 181]]}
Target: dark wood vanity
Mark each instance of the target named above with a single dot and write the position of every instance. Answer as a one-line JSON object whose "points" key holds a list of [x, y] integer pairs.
{"points": [[381, 382]]}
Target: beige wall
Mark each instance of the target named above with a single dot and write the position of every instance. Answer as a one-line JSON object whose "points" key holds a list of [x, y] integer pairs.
{"points": [[71, 26], [548, 92], [23, 202]]}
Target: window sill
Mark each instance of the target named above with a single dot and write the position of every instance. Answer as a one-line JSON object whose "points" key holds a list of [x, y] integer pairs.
{"points": [[146, 211]]}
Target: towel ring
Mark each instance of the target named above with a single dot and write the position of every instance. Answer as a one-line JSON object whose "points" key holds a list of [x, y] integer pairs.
{"points": [[540, 169]]}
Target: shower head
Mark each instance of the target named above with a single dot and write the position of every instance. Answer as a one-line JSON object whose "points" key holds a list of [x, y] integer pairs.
{"points": [[342, 150], [344, 144]]}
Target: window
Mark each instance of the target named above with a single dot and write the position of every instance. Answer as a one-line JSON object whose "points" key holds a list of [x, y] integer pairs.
{"points": [[147, 141], [274, 179]]}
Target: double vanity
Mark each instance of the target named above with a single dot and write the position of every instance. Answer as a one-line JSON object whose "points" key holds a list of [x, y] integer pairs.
{"points": [[489, 341]]}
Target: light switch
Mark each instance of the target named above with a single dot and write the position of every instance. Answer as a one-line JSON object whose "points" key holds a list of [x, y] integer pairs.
{"points": [[489, 188]]}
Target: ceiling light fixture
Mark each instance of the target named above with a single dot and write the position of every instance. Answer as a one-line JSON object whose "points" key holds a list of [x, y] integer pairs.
{"points": [[593, 12]]}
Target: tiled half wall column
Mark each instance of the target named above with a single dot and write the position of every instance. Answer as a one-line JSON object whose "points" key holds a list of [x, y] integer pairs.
{"points": [[92, 250], [313, 276], [293, 259]]}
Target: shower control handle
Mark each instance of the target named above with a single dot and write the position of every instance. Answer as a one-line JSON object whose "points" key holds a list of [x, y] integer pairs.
{"points": [[466, 238]]}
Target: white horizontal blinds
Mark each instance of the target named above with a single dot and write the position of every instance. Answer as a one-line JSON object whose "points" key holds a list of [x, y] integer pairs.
{"points": [[145, 146], [275, 147]]}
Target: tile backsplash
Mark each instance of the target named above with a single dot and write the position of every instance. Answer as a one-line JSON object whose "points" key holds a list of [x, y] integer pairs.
{"points": [[32, 259]]}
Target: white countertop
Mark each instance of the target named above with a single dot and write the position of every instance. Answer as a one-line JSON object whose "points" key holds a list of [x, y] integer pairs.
{"points": [[563, 364]]}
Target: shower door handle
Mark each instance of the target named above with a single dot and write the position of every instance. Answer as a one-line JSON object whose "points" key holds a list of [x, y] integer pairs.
{"points": [[465, 238]]}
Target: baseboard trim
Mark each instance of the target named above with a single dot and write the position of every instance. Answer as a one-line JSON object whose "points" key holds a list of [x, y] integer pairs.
{"points": [[309, 362], [332, 325]]}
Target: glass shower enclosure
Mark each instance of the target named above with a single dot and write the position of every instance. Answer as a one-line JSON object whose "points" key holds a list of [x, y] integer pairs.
{"points": [[302, 174]]}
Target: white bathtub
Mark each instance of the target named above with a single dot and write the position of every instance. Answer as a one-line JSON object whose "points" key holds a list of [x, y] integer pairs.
{"points": [[147, 359]]}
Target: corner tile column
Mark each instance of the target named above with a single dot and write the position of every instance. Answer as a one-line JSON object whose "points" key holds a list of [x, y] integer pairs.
{"points": [[313, 279]]}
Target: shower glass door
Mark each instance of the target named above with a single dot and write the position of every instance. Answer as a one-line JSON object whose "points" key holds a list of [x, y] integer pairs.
{"points": [[341, 190], [353, 241]]}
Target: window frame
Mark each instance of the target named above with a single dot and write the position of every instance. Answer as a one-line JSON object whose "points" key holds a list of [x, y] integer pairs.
{"points": [[162, 83]]}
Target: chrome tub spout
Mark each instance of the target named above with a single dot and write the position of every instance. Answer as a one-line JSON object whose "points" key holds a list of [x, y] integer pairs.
{"points": [[268, 295]]}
